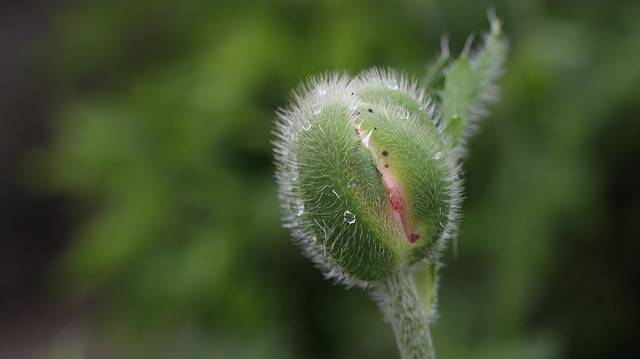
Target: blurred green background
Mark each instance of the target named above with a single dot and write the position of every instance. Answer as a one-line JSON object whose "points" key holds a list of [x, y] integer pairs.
{"points": [[138, 209]]}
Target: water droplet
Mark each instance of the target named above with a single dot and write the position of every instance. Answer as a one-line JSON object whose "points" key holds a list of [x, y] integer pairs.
{"points": [[316, 109], [349, 217], [351, 183], [403, 113], [437, 156], [297, 207], [306, 125], [392, 85], [300, 209], [321, 91]]}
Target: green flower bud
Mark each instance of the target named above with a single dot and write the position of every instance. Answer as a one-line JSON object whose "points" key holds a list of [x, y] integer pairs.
{"points": [[368, 169], [368, 180]]}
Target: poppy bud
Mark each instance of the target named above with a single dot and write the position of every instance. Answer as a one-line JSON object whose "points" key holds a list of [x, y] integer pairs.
{"points": [[369, 177], [368, 181]]}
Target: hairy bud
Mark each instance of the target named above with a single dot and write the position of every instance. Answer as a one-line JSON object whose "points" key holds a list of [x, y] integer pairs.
{"points": [[367, 179], [368, 169]]}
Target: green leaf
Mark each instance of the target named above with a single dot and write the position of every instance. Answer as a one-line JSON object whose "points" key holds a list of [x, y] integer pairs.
{"points": [[454, 129], [461, 91], [426, 284], [470, 84]]}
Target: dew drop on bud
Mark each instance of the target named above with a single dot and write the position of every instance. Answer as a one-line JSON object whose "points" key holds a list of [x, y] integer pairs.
{"points": [[437, 156], [351, 183], [403, 113], [306, 125], [316, 109], [321, 91], [392, 85], [297, 207], [349, 217]]}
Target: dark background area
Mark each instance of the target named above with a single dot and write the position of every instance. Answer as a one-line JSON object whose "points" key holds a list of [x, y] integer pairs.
{"points": [[138, 210]]}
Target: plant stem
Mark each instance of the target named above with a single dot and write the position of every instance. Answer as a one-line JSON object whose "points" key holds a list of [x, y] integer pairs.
{"points": [[401, 306]]}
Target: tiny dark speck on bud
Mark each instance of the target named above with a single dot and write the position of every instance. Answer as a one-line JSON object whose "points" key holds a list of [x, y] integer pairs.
{"points": [[370, 110], [386, 165], [385, 152]]}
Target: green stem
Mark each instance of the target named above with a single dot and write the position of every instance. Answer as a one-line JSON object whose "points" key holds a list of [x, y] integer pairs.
{"points": [[399, 301]]}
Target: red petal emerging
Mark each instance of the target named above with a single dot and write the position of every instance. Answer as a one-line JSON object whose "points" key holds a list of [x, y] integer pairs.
{"points": [[398, 204]]}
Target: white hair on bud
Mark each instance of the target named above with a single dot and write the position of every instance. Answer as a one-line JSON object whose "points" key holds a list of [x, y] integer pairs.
{"points": [[393, 80]]}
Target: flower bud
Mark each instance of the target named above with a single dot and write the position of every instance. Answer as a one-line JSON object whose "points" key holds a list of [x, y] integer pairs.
{"points": [[368, 169], [367, 176]]}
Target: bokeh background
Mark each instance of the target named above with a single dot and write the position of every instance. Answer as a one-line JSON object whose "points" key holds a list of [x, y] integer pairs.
{"points": [[138, 210]]}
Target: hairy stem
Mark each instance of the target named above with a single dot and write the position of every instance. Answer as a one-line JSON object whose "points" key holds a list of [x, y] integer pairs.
{"points": [[399, 302]]}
